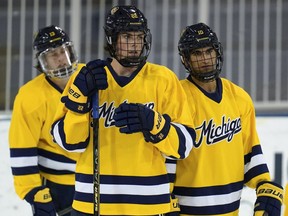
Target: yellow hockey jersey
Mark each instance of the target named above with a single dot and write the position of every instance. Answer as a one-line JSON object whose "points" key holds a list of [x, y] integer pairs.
{"points": [[133, 176], [33, 153], [226, 155]]}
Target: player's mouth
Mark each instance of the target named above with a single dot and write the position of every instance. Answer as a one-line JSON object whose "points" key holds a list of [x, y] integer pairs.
{"points": [[133, 53], [62, 65]]}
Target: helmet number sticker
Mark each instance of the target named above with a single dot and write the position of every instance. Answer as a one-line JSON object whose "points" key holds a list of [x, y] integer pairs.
{"points": [[52, 33], [134, 15], [200, 32]]}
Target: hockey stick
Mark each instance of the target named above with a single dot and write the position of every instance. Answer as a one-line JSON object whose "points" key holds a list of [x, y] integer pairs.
{"points": [[96, 175]]}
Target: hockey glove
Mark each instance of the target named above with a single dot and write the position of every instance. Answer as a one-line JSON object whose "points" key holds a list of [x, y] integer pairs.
{"points": [[41, 202], [269, 199], [90, 79], [132, 118]]}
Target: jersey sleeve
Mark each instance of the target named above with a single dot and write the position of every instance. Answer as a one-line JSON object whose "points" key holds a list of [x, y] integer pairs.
{"points": [[24, 134], [70, 129], [181, 136], [256, 169]]}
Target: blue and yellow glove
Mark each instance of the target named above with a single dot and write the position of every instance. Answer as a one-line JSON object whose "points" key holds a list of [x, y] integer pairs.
{"points": [[90, 79], [41, 202], [133, 118], [269, 199]]}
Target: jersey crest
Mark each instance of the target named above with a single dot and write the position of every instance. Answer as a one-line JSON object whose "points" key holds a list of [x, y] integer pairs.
{"points": [[215, 133], [107, 110]]}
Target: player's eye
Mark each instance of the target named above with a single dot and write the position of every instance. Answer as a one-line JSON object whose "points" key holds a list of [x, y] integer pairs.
{"points": [[209, 51], [196, 53], [140, 37], [52, 54]]}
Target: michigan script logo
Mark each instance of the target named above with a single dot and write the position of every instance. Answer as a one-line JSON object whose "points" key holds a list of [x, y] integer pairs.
{"points": [[215, 133], [106, 111]]}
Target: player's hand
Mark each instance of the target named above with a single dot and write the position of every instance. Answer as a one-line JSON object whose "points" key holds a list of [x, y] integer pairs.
{"points": [[132, 118], [41, 202], [90, 79], [269, 199]]}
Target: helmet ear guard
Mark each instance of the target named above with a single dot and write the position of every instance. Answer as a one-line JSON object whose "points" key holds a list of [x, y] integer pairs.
{"points": [[48, 40], [123, 19], [195, 37]]}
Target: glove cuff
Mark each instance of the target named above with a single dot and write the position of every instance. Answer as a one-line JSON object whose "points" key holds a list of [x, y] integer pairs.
{"points": [[30, 196], [164, 127], [75, 106], [270, 189], [159, 123], [269, 199]]}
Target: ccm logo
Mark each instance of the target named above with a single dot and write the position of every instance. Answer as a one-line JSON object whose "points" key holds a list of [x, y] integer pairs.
{"points": [[270, 191]]}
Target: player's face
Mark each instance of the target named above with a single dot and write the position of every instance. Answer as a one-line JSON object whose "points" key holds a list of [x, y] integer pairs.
{"points": [[57, 58], [130, 44], [203, 60]]}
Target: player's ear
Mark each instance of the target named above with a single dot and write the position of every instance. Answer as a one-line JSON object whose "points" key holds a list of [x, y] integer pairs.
{"points": [[185, 63], [182, 60]]}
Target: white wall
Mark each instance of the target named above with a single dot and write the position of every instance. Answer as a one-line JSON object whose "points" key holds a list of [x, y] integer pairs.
{"points": [[273, 133]]}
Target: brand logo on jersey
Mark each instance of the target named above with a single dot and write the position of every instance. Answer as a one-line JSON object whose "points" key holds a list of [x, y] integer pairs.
{"points": [[215, 133]]}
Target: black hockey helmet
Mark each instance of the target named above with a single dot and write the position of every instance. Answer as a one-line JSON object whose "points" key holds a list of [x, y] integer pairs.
{"points": [[46, 41], [199, 36], [123, 19]]}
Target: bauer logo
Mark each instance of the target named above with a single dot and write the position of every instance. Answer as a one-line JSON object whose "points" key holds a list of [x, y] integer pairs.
{"points": [[271, 192]]}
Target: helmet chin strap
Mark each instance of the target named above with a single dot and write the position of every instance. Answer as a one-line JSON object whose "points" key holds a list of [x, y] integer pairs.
{"points": [[129, 62], [206, 77], [132, 61]]}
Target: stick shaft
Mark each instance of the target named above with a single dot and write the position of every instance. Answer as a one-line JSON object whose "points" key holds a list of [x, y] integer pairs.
{"points": [[96, 175]]}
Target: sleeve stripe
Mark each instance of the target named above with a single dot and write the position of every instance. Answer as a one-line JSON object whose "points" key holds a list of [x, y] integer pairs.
{"points": [[255, 164], [17, 162], [255, 171], [256, 150], [25, 171], [23, 152], [255, 161], [59, 137], [185, 139], [56, 165]]}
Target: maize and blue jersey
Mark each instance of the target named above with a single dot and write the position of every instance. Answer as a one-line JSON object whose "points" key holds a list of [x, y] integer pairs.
{"points": [[226, 155], [33, 153], [133, 176]]}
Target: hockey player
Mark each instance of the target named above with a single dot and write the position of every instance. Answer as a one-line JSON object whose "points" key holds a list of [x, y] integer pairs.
{"points": [[144, 117], [227, 154], [44, 174]]}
